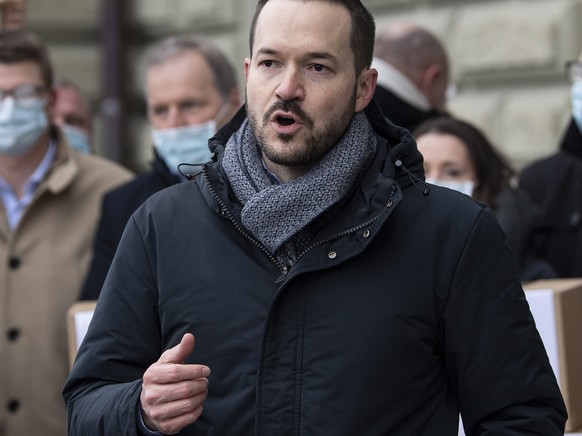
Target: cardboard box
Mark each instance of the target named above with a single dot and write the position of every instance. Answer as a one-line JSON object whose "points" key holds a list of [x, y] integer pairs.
{"points": [[78, 318], [556, 306]]}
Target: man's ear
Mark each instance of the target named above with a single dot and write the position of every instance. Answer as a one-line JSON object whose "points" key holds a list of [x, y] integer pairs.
{"points": [[366, 85], [247, 66], [430, 84]]}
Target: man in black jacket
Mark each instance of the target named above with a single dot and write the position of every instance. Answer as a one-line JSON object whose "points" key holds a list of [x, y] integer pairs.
{"points": [[555, 184], [330, 291], [191, 90], [413, 75]]}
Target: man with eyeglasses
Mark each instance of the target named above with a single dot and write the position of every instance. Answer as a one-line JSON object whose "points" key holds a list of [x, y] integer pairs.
{"points": [[555, 184], [191, 90], [49, 207]]}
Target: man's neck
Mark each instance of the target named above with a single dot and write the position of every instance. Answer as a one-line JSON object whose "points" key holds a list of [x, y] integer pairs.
{"points": [[16, 170]]}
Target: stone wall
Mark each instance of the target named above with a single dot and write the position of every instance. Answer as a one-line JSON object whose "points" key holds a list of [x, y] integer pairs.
{"points": [[507, 57]]}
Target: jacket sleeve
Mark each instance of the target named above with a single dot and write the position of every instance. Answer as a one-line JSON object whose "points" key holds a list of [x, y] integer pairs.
{"points": [[103, 389], [495, 357]]}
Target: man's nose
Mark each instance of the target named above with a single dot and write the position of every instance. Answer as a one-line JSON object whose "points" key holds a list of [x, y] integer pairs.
{"points": [[176, 117], [291, 86]]}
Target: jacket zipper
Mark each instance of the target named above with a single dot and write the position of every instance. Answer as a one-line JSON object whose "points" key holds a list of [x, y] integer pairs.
{"points": [[284, 270], [224, 210], [349, 231]]}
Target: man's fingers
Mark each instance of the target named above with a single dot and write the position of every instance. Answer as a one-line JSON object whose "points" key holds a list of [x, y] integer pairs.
{"points": [[160, 394], [181, 406], [175, 409], [175, 424]]}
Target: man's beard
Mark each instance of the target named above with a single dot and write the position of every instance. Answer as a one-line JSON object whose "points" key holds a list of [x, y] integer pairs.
{"points": [[316, 145]]}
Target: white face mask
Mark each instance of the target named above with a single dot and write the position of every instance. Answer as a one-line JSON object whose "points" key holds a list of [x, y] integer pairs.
{"points": [[576, 97], [466, 186], [20, 126], [79, 139], [188, 144]]}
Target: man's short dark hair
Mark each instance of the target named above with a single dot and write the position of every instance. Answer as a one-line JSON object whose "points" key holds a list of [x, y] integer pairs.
{"points": [[363, 30], [17, 45]]}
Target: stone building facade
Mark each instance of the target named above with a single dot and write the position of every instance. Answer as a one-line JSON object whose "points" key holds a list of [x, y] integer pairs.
{"points": [[507, 58]]}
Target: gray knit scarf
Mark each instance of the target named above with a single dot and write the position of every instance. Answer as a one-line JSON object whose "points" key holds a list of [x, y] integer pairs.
{"points": [[279, 215]]}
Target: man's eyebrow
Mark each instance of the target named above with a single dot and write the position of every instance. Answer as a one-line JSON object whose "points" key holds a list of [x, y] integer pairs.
{"points": [[267, 51], [321, 55], [308, 55]]}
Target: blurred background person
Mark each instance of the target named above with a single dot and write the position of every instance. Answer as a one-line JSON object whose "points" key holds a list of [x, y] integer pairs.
{"points": [[49, 209], [413, 74], [555, 185], [191, 90], [71, 111], [459, 156], [73, 115], [12, 14]]}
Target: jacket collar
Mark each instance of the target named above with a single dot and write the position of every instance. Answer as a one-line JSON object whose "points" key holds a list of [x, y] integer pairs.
{"points": [[65, 166]]}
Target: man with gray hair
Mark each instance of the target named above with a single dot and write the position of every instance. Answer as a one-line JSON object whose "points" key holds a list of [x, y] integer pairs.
{"points": [[191, 90], [413, 74]]}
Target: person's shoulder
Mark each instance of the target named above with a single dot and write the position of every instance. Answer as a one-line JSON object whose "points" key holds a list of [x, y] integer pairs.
{"points": [[107, 167], [450, 197], [170, 204], [180, 193], [549, 163], [444, 205], [130, 195], [177, 191]]}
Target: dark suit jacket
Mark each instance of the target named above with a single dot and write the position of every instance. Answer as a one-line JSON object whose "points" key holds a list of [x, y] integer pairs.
{"points": [[116, 208]]}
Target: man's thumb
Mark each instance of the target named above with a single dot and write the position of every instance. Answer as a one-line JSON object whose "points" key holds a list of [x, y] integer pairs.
{"points": [[180, 352]]}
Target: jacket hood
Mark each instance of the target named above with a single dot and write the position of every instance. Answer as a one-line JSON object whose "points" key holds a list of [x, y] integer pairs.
{"points": [[402, 162]]}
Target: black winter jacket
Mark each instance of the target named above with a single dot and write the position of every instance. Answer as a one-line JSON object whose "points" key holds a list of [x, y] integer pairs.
{"points": [[406, 309], [555, 184]]}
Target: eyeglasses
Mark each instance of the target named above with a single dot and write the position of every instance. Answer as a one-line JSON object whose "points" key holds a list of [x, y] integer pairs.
{"points": [[573, 70], [25, 95]]}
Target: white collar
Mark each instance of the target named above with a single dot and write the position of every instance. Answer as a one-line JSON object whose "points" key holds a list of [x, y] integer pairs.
{"points": [[392, 79]]}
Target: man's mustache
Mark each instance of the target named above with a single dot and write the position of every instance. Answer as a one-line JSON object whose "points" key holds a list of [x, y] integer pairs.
{"points": [[289, 106]]}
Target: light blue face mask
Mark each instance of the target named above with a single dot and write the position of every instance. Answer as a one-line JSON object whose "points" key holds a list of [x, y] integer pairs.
{"points": [[78, 138], [188, 145], [576, 96], [21, 126], [466, 187]]}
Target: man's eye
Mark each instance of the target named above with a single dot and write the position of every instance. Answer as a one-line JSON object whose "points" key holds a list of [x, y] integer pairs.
{"points": [[267, 64], [190, 105], [159, 110], [319, 68]]}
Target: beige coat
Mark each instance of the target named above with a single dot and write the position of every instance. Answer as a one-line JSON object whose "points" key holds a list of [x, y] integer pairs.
{"points": [[42, 265]]}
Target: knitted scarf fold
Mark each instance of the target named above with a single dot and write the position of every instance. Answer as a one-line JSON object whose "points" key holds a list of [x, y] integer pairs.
{"points": [[276, 213]]}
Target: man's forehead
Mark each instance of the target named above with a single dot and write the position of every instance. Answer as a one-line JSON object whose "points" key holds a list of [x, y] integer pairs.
{"points": [[322, 26], [188, 65]]}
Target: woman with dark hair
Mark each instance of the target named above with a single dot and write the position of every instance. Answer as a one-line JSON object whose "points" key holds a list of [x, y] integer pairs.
{"points": [[459, 156]]}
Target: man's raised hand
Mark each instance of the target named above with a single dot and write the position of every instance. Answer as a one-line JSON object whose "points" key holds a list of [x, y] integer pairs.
{"points": [[173, 392]]}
